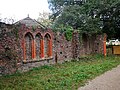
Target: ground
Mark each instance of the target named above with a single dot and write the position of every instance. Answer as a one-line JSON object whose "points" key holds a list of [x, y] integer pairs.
{"points": [[66, 76], [108, 81]]}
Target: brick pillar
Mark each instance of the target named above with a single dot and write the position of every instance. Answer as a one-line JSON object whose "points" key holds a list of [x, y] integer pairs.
{"points": [[42, 48], [75, 45], [34, 48]]}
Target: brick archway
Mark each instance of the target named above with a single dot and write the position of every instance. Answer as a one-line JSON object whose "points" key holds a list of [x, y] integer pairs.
{"points": [[39, 46], [36, 46], [28, 46], [47, 45]]}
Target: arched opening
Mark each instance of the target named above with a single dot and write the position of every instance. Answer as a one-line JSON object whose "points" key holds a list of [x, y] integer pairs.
{"points": [[38, 45], [47, 46], [85, 42], [28, 46]]}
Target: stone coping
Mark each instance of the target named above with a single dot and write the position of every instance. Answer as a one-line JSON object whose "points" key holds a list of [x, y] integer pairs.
{"points": [[36, 60]]}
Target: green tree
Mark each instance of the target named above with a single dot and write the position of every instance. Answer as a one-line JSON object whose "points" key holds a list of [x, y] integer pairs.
{"points": [[75, 13], [111, 19], [89, 16], [44, 19]]}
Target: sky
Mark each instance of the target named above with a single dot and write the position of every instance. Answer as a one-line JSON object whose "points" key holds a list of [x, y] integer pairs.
{"points": [[19, 9]]}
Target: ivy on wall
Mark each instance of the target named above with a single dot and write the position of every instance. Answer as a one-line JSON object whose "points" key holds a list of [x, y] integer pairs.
{"points": [[68, 30], [68, 33]]}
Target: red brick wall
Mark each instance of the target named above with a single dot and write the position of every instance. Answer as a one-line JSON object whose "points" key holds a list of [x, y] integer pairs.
{"points": [[80, 45], [8, 49], [62, 48], [12, 43]]}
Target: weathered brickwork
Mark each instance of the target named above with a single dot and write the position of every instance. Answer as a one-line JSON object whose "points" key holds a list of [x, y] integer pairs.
{"points": [[91, 44], [76, 45], [35, 47], [8, 49], [62, 48], [24, 46]]}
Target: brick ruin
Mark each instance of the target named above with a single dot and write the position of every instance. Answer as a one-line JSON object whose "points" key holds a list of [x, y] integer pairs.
{"points": [[28, 44]]}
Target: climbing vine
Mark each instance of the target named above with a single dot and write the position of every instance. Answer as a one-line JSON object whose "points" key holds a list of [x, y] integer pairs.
{"points": [[68, 30], [68, 33]]}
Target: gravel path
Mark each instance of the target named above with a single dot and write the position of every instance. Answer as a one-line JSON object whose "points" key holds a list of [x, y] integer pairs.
{"points": [[110, 80]]}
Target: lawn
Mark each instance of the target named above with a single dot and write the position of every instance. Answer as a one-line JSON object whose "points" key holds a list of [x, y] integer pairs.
{"points": [[66, 76]]}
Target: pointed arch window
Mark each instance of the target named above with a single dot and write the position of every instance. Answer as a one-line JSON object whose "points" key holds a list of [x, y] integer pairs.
{"points": [[38, 46], [47, 45], [28, 46]]}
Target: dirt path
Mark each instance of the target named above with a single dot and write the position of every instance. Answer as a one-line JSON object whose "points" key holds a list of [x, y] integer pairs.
{"points": [[108, 81]]}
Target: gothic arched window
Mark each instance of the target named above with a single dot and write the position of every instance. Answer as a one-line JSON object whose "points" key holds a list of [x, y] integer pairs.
{"points": [[47, 45], [28, 46], [38, 45]]}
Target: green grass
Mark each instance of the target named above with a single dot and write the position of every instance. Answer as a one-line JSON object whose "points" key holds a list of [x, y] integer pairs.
{"points": [[66, 76]]}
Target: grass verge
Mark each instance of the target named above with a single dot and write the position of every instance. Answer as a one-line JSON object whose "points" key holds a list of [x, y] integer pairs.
{"points": [[66, 76]]}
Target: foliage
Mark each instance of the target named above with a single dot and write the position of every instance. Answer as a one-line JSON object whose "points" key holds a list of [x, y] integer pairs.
{"points": [[89, 16], [76, 15], [92, 26], [66, 76], [111, 19], [68, 30], [68, 33], [44, 19]]}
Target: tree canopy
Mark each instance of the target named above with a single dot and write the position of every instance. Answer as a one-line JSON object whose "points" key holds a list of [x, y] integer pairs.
{"points": [[87, 16], [44, 19]]}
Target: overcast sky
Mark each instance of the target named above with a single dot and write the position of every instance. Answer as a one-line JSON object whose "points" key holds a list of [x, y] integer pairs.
{"points": [[19, 9]]}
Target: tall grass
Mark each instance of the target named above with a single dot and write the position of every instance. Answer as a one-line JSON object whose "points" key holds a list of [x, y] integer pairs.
{"points": [[66, 76]]}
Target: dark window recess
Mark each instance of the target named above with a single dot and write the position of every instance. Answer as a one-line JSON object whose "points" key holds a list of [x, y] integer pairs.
{"points": [[97, 43], [60, 52], [95, 50], [65, 56], [58, 41], [67, 47], [54, 38], [76, 46]]}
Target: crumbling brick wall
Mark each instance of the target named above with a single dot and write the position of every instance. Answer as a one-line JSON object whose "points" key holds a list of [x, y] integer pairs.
{"points": [[80, 45], [12, 53], [92, 44], [75, 45], [8, 49], [62, 48], [25, 65]]}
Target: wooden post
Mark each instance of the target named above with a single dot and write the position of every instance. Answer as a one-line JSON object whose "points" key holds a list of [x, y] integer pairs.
{"points": [[104, 45]]}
